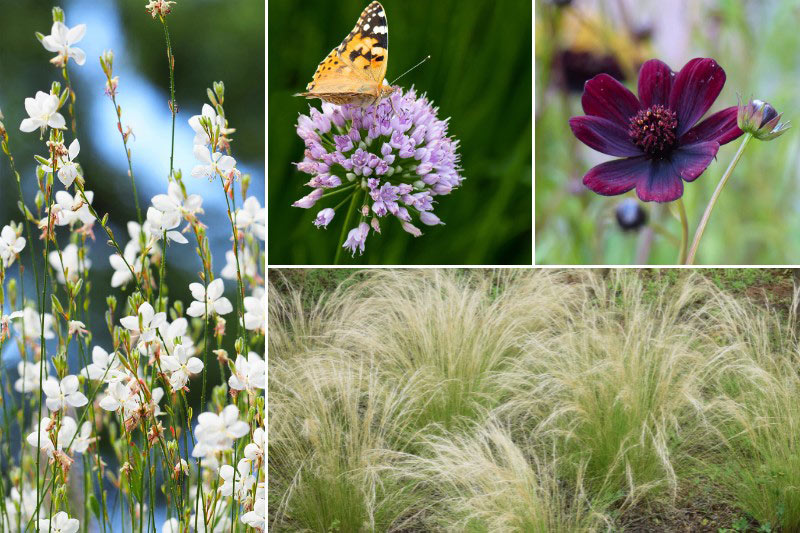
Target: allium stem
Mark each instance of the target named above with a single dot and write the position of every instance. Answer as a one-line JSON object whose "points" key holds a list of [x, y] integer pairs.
{"points": [[350, 211], [704, 221]]}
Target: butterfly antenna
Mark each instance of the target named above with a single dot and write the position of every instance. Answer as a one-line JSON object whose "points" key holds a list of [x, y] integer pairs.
{"points": [[409, 70]]}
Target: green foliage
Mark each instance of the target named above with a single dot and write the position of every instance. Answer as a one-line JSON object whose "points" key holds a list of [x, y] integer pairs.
{"points": [[479, 74]]}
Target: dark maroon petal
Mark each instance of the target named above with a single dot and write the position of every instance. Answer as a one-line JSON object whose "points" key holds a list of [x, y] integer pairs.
{"points": [[694, 90], [618, 176], [605, 97], [662, 183], [691, 160], [655, 83], [604, 136], [720, 127]]}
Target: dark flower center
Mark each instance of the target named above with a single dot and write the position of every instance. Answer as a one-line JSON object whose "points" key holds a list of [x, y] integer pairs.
{"points": [[654, 130]]}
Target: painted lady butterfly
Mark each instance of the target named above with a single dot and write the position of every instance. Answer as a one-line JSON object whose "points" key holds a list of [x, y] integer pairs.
{"points": [[354, 71]]}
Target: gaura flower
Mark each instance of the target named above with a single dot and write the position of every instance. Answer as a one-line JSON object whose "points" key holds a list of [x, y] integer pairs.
{"points": [[396, 156], [43, 113], [11, 245], [61, 39], [657, 133]]}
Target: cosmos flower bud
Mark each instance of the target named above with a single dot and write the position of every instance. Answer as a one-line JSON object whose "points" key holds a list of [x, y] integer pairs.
{"points": [[630, 215], [761, 120]]}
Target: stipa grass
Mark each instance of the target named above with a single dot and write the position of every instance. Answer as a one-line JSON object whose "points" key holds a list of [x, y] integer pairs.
{"points": [[432, 400]]}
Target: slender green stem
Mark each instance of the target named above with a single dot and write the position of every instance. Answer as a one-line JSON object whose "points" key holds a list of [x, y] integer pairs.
{"points": [[350, 211], [707, 214], [684, 231], [172, 105], [124, 137]]}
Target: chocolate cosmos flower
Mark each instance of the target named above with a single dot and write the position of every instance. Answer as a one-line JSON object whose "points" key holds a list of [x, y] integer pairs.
{"points": [[655, 133]]}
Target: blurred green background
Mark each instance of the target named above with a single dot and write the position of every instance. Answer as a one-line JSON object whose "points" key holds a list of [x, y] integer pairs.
{"points": [[479, 74], [756, 220], [200, 34]]}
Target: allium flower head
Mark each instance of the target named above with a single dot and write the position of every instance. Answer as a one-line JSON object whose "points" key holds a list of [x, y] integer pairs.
{"points": [[657, 133], [395, 156], [761, 120]]}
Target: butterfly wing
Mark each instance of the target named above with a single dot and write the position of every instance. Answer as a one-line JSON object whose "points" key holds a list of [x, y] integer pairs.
{"points": [[356, 68]]}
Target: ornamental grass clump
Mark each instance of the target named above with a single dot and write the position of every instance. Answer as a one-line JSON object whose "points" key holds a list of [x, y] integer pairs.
{"points": [[531, 401], [109, 434], [391, 159]]}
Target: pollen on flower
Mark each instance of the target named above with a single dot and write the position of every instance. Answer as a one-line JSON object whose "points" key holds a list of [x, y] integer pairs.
{"points": [[654, 129]]}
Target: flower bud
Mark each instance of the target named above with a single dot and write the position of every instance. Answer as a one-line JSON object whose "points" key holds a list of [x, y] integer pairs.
{"points": [[761, 120], [630, 215]]}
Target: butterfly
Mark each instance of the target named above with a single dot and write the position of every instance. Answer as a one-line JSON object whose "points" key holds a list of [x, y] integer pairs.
{"points": [[354, 71]]}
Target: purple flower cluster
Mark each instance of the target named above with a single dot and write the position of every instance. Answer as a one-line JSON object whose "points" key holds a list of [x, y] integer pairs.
{"points": [[394, 156]]}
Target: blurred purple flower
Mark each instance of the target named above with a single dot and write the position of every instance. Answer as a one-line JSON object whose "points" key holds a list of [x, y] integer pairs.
{"points": [[395, 155], [655, 133]]}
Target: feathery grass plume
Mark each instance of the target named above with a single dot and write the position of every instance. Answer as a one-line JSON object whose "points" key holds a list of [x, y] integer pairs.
{"points": [[486, 481], [755, 414], [332, 419]]}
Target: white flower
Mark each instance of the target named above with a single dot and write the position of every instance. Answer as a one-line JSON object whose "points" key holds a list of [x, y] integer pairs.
{"points": [[181, 364], [247, 265], [212, 164], [177, 330], [43, 112], [145, 323], [216, 432], [200, 135], [240, 480], [68, 170], [135, 244], [174, 201], [249, 374], [254, 451], [20, 507], [61, 39], [104, 366], [255, 312], [31, 324], [76, 327], [10, 245], [62, 393], [60, 523], [68, 262], [217, 304], [28, 380], [171, 526], [257, 518], [69, 209], [252, 217], [45, 443], [161, 222], [81, 441], [118, 396], [122, 274]]}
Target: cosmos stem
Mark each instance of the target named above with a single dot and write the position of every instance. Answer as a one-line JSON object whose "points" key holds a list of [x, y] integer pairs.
{"points": [[350, 211], [684, 230], [707, 214]]}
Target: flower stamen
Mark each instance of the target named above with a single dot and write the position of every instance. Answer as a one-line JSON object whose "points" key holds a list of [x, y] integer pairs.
{"points": [[654, 130]]}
